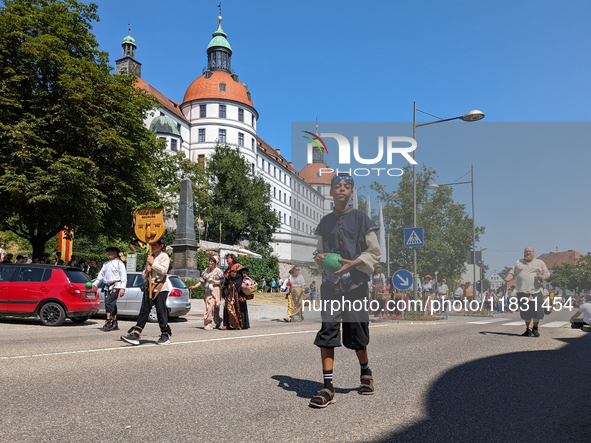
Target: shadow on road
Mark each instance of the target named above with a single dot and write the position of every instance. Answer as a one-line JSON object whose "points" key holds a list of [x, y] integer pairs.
{"points": [[535, 396], [507, 334], [304, 388]]}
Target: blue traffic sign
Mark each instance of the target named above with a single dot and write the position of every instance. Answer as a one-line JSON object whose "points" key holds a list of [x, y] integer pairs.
{"points": [[402, 280], [413, 237]]}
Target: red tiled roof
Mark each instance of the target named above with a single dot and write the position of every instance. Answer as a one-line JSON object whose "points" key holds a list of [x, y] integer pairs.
{"points": [[263, 146], [553, 259], [166, 103], [310, 174], [210, 88]]}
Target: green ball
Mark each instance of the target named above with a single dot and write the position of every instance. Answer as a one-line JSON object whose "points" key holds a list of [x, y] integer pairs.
{"points": [[88, 285], [331, 263]]}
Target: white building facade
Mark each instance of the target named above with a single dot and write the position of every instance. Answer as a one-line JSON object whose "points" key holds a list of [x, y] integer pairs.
{"points": [[218, 108]]}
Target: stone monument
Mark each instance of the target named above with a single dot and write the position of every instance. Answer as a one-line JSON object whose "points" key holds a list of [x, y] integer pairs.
{"points": [[184, 249]]}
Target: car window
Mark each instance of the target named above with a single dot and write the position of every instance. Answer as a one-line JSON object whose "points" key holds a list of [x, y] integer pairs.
{"points": [[177, 283], [6, 273], [134, 280], [76, 276], [35, 275]]}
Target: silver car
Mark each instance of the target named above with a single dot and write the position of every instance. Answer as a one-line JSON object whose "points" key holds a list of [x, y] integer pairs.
{"points": [[178, 302]]}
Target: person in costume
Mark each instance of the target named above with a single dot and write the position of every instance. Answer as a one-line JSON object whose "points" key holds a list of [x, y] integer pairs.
{"points": [[378, 285], [235, 308], [114, 276], [295, 295], [350, 233], [156, 269], [212, 278]]}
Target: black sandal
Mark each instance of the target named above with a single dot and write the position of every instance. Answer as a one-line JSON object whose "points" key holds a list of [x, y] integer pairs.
{"points": [[366, 387], [326, 396]]}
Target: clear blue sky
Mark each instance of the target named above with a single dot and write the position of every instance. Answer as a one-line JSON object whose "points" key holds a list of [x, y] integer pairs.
{"points": [[523, 61]]}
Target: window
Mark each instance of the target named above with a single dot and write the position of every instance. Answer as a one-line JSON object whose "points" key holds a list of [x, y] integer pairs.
{"points": [[222, 136], [284, 218], [274, 192], [279, 216], [331, 206], [240, 114], [284, 197], [280, 195], [290, 220], [202, 111], [252, 121], [253, 168], [172, 144], [222, 86], [222, 111], [240, 139], [201, 160], [290, 200], [252, 145], [298, 224], [33, 275], [202, 135]]}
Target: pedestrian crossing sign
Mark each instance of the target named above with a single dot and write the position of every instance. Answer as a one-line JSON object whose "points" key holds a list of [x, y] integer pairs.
{"points": [[413, 237]]}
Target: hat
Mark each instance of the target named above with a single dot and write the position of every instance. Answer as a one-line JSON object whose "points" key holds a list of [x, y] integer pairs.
{"points": [[113, 248], [159, 242], [377, 265], [429, 277]]}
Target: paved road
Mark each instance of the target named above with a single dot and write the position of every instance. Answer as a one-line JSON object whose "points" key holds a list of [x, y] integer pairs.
{"points": [[441, 381]]}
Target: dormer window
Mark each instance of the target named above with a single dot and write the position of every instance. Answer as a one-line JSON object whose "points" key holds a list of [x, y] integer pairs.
{"points": [[222, 87]]}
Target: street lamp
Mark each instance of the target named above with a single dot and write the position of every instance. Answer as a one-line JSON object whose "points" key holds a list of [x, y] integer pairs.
{"points": [[435, 186], [471, 116], [390, 199]]}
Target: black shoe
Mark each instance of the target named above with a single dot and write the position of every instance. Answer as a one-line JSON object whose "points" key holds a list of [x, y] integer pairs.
{"points": [[108, 326], [163, 340], [528, 333], [535, 332], [115, 326], [133, 338]]}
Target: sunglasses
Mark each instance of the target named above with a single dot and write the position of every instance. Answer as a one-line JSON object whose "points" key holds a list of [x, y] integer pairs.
{"points": [[345, 178]]}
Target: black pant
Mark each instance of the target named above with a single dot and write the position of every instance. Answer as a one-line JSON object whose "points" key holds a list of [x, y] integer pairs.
{"points": [[111, 302], [161, 311]]}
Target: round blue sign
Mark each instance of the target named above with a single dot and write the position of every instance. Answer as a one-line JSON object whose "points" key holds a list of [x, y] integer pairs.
{"points": [[402, 280]]}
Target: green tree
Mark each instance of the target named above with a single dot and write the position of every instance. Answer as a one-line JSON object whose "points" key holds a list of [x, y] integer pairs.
{"points": [[240, 201], [74, 149], [505, 271], [169, 185], [573, 277], [447, 226]]}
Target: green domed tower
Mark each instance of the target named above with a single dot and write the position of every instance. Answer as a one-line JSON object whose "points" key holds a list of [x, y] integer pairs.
{"points": [[128, 62]]}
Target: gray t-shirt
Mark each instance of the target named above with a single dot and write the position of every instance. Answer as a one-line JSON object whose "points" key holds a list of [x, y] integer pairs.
{"points": [[525, 275], [585, 308]]}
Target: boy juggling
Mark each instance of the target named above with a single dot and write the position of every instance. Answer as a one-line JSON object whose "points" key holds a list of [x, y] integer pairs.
{"points": [[351, 234]]}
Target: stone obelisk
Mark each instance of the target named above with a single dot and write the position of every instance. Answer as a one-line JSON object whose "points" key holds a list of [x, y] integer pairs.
{"points": [[184, 249]]}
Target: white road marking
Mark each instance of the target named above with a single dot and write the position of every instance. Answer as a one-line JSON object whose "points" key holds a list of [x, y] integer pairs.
{"points": [[149, 345], [515, 323], [554, 324], [486, 322]]}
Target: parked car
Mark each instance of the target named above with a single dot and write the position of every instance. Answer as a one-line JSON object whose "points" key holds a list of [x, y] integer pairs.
{"points": [[178, 302], [53, 293]]}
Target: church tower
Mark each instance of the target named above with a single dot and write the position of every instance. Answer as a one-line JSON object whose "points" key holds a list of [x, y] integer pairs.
{"points": [[128, 62]]}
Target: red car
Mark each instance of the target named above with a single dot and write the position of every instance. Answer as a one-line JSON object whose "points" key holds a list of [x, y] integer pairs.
{"points": [[53, 293]]}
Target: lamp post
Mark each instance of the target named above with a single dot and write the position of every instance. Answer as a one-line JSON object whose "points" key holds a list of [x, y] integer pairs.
{"points": [[436, 186], [480, 266], [471, 116], [390, 199]]}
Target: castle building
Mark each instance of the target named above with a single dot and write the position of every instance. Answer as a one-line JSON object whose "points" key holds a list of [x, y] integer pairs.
{"points": [[218, 107]]}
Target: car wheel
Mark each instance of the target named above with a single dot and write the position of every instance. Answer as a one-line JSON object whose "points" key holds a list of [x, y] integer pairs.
{"points": [[52, 314], [80, 319], [153, 316]]}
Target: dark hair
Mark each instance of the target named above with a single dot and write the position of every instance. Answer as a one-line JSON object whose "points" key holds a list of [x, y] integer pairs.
{"points": [[18, 257], [233, 257]]}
